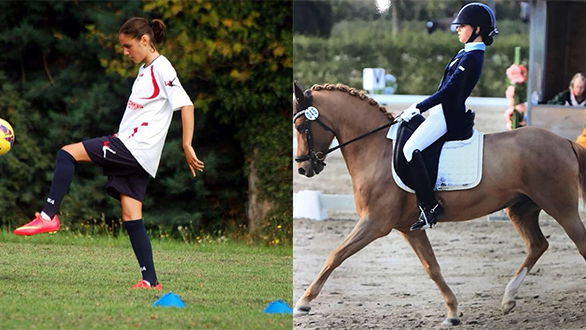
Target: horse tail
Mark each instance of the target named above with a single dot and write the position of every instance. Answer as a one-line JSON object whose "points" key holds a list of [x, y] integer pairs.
{"points": [[580, 153]]}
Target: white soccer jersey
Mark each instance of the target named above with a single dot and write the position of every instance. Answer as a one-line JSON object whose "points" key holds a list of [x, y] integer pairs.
{"points": [[156, 93]]}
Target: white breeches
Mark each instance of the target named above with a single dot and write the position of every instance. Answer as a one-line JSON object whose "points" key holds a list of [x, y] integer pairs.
{"points": [[427, 133]]}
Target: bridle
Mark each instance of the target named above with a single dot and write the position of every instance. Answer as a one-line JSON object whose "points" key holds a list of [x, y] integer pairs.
{"points": [[316, 157], [311, 113]]}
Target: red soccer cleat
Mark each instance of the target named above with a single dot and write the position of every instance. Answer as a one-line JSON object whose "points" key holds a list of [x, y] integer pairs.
{"points": [[142, 284], [37, 226]]}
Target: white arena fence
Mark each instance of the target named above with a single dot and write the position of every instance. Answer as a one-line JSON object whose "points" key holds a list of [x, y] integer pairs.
{"points": [[311, 204], [314, 205]]}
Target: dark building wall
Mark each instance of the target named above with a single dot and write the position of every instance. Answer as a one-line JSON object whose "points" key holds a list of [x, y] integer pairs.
{"points": [[565, 43]]}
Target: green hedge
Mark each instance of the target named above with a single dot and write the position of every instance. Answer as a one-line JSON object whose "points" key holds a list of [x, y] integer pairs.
{"points": [[414, 57], [63, 79]]}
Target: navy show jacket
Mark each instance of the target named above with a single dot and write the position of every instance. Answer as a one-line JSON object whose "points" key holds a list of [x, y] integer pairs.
{"points": [[460, 77]]}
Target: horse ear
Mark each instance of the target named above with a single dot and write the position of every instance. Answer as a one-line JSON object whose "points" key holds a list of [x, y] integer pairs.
{"points": [[298, 91]]}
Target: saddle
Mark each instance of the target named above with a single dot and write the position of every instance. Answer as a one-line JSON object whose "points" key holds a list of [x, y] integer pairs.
{"points": [[431, 155]]}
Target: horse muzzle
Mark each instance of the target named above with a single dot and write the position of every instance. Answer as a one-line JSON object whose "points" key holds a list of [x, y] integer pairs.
{"points": [[310, 168]]}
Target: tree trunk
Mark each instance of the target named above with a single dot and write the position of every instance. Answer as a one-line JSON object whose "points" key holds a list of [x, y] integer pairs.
{"points": [[258, 209], [395, 17]]}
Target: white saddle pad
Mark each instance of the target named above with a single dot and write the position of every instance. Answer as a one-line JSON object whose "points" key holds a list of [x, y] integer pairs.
{"points": [[460, 164]]}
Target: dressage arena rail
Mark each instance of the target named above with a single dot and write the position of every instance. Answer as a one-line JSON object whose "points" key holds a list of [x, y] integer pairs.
{"points": [[314, 205]]}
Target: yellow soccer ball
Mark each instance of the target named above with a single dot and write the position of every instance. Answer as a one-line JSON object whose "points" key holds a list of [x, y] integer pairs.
{"points": [[6, 137]]}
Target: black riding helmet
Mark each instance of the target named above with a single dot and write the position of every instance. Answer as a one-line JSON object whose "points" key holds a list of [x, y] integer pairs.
{"points": [[478, 15]]}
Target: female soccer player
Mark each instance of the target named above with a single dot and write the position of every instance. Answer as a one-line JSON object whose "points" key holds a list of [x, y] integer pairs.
{"points": [[476, 26], [131, 155]]}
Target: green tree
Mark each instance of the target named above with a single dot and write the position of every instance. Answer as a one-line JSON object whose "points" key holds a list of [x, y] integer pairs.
{"points": [[414, 57], [242, 52], [312, 18], [66, 80], [52, 83]]}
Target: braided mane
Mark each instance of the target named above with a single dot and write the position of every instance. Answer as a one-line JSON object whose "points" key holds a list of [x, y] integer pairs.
{"points": [[354, 92]]}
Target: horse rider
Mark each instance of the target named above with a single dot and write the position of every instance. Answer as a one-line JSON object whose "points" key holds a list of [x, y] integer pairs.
{"points": [[476, 27]]}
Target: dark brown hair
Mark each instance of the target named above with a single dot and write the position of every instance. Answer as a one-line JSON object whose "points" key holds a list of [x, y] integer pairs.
{"points": [[136, 27]]}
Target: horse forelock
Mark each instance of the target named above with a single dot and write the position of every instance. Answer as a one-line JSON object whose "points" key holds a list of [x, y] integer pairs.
{"points": [[362, 95]]}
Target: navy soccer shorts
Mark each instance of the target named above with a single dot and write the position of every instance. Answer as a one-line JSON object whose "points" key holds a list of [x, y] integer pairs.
{"points": [[125, 175]]}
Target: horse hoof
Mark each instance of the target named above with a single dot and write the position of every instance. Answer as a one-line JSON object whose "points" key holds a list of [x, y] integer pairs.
{"points": [[451, 321], [508, 306], [303, 310]]}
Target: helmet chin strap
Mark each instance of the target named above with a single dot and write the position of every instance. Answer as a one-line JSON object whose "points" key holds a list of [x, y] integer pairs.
{"points": [[474, 35]]}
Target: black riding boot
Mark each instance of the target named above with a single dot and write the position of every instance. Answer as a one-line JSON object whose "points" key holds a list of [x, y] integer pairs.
{"points": [[430, 210]]}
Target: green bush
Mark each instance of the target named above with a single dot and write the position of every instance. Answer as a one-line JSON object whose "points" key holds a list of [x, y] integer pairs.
{"points": [[416, 58], [63, 79]]}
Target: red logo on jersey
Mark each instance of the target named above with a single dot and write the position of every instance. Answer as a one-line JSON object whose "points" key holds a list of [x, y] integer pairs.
{"points": [[170, 83], [134, 106], [155, 86], [136, 129]]}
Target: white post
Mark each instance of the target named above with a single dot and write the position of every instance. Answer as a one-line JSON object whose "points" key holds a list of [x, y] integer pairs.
{"points": [[307, 204], [373, 79]]}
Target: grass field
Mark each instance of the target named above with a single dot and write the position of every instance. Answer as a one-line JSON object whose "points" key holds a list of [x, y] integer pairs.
{"points": [[68, 281]]}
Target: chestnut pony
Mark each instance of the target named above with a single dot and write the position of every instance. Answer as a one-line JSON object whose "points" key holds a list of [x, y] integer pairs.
{"points": [[538, 171]]}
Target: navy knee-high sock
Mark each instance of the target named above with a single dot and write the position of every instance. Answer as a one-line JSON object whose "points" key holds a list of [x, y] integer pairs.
{"points": [[142, 249], [64, 169]]}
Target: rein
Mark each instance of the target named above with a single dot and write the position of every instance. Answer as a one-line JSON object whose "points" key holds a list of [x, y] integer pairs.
{"points": [[361, 136], [312, 114]]}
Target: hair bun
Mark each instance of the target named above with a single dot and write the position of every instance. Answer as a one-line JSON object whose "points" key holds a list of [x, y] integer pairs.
{"points": [[159, 29]]}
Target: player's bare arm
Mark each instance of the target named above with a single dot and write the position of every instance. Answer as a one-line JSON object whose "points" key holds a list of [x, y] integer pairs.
{"points": [[187, 122]]}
